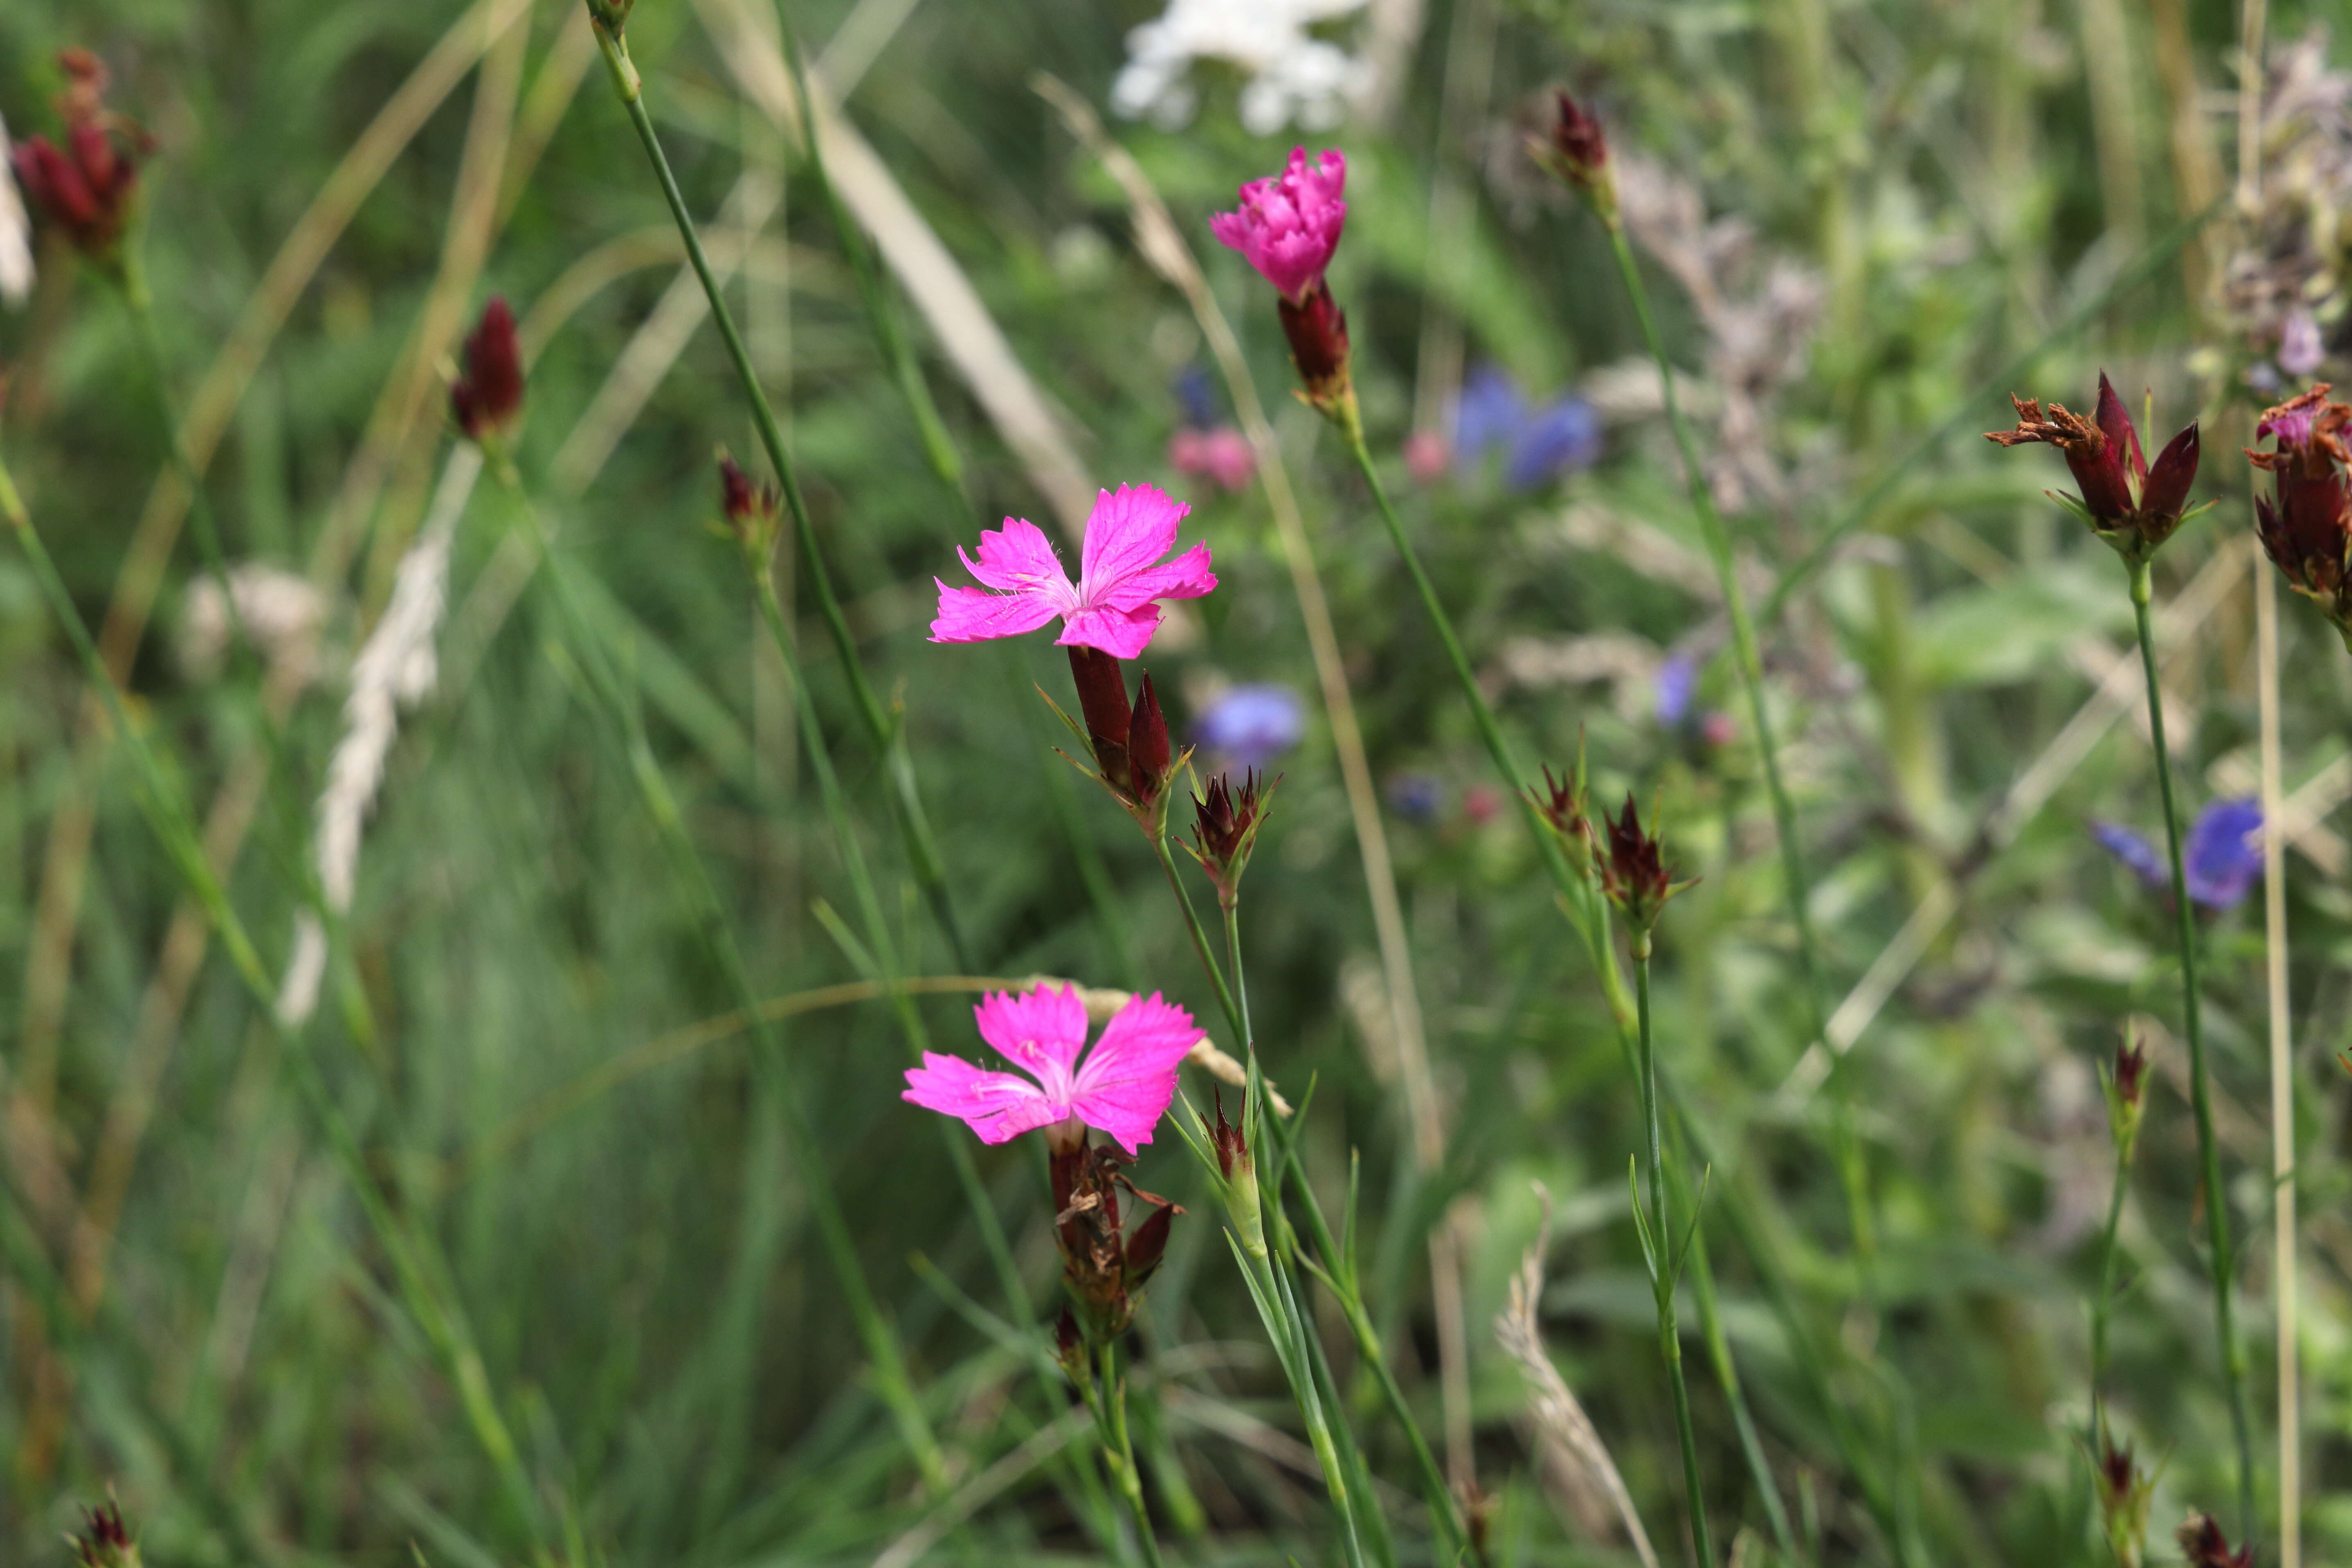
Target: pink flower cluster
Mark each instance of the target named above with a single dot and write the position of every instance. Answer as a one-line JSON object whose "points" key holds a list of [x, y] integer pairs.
{"points": [[1122, 1087], [1288, 225], [1112, 606]]}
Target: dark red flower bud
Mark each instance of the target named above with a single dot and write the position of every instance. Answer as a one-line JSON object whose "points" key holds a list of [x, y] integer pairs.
{"points": [[1232, 1145], [1146, 1247], [2134, 508], [105, 1541], [1069, 1343], [84, 188], [2307, 532], [752, 511], [1102, 699], [2131, 1071], [486, 399], [1224, 830], [2125, 1492], [1573, 146], [1317, 331], [1149, 753], [612, 16], [2203, 1542], [1561, 803], [1633, 873]]}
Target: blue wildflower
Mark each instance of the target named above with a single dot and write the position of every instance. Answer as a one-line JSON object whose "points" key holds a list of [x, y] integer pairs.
{"points": [[1253, 724], [1196, 396], [2220, 861], [1559, 437], [1488, 414], [1417, 797], [1677, 683]]}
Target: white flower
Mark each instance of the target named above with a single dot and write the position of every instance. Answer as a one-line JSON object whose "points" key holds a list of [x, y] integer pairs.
{"points": [[15, 233], [1292, 76]]}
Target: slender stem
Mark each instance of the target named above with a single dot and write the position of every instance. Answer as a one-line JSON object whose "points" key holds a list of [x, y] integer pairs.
{"points": [[1119, 1449], [437, 1311], [1665, 1245], [1851, 1170], [1726, 1376], [1234, 1017], [880, 1340], [2103, 1301], [907, 806], [2200, 1094], [1233, 967]]}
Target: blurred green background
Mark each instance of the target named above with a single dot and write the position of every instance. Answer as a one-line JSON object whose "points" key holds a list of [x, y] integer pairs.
{"points": [[1853, 211]]}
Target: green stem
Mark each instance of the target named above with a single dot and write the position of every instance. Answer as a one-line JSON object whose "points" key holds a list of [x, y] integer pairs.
{"points": [[880, 1340], [1852, 1171], [1664, 1249], [168, 814], [2200, 1093], [907, 806], [1120, 1450], [1241, 984], [1727, 1377], [1234, 1017]]}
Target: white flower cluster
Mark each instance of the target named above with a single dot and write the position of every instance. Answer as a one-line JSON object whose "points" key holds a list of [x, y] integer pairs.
{"points": [[1292, 75]]}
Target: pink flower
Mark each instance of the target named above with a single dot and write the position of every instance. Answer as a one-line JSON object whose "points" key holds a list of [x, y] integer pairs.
{"points": [[1121, 1088], [1221, 456], [1109, 607], [1289, 226]]}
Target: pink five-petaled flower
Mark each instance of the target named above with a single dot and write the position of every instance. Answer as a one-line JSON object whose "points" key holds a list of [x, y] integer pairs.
{"points": [[1111, 606], [1288, 225], [1122, 1087]]}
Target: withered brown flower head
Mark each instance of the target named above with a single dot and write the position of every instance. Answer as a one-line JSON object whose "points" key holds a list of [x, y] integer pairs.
{"points": [[2306, 527], [2203, 1542], [2133, 507], [1105, 1261], [86, 187]]}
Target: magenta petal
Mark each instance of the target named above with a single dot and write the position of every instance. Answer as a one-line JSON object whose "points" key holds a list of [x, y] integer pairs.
{"points": [[1186, 577], [1043, 1030], [1126, 533], [1128, 1079], [999, 1106], [974, 615], [1019, 559], [1122, 634]]}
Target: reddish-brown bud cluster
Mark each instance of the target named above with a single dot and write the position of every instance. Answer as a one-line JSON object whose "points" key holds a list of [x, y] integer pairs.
{"points": [[752, 511], [2306, 529], [1633, 870], [486, 399], [84, 188], [105, 1541], [1224, 830], [1232, 1145], [1317, 331], [1561, 803], [2204, 1545], [1572, 145], [2133, 507], [2125, 1492], [1105, 1262], [1134, 757]]}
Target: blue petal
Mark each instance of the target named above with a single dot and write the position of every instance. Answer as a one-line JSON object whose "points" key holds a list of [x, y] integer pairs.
{"points": [[1559, 437], [2134, 851], [1198, 399], [1488, 413], [2221, 860], [1677, 684], [1253, 724]]}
